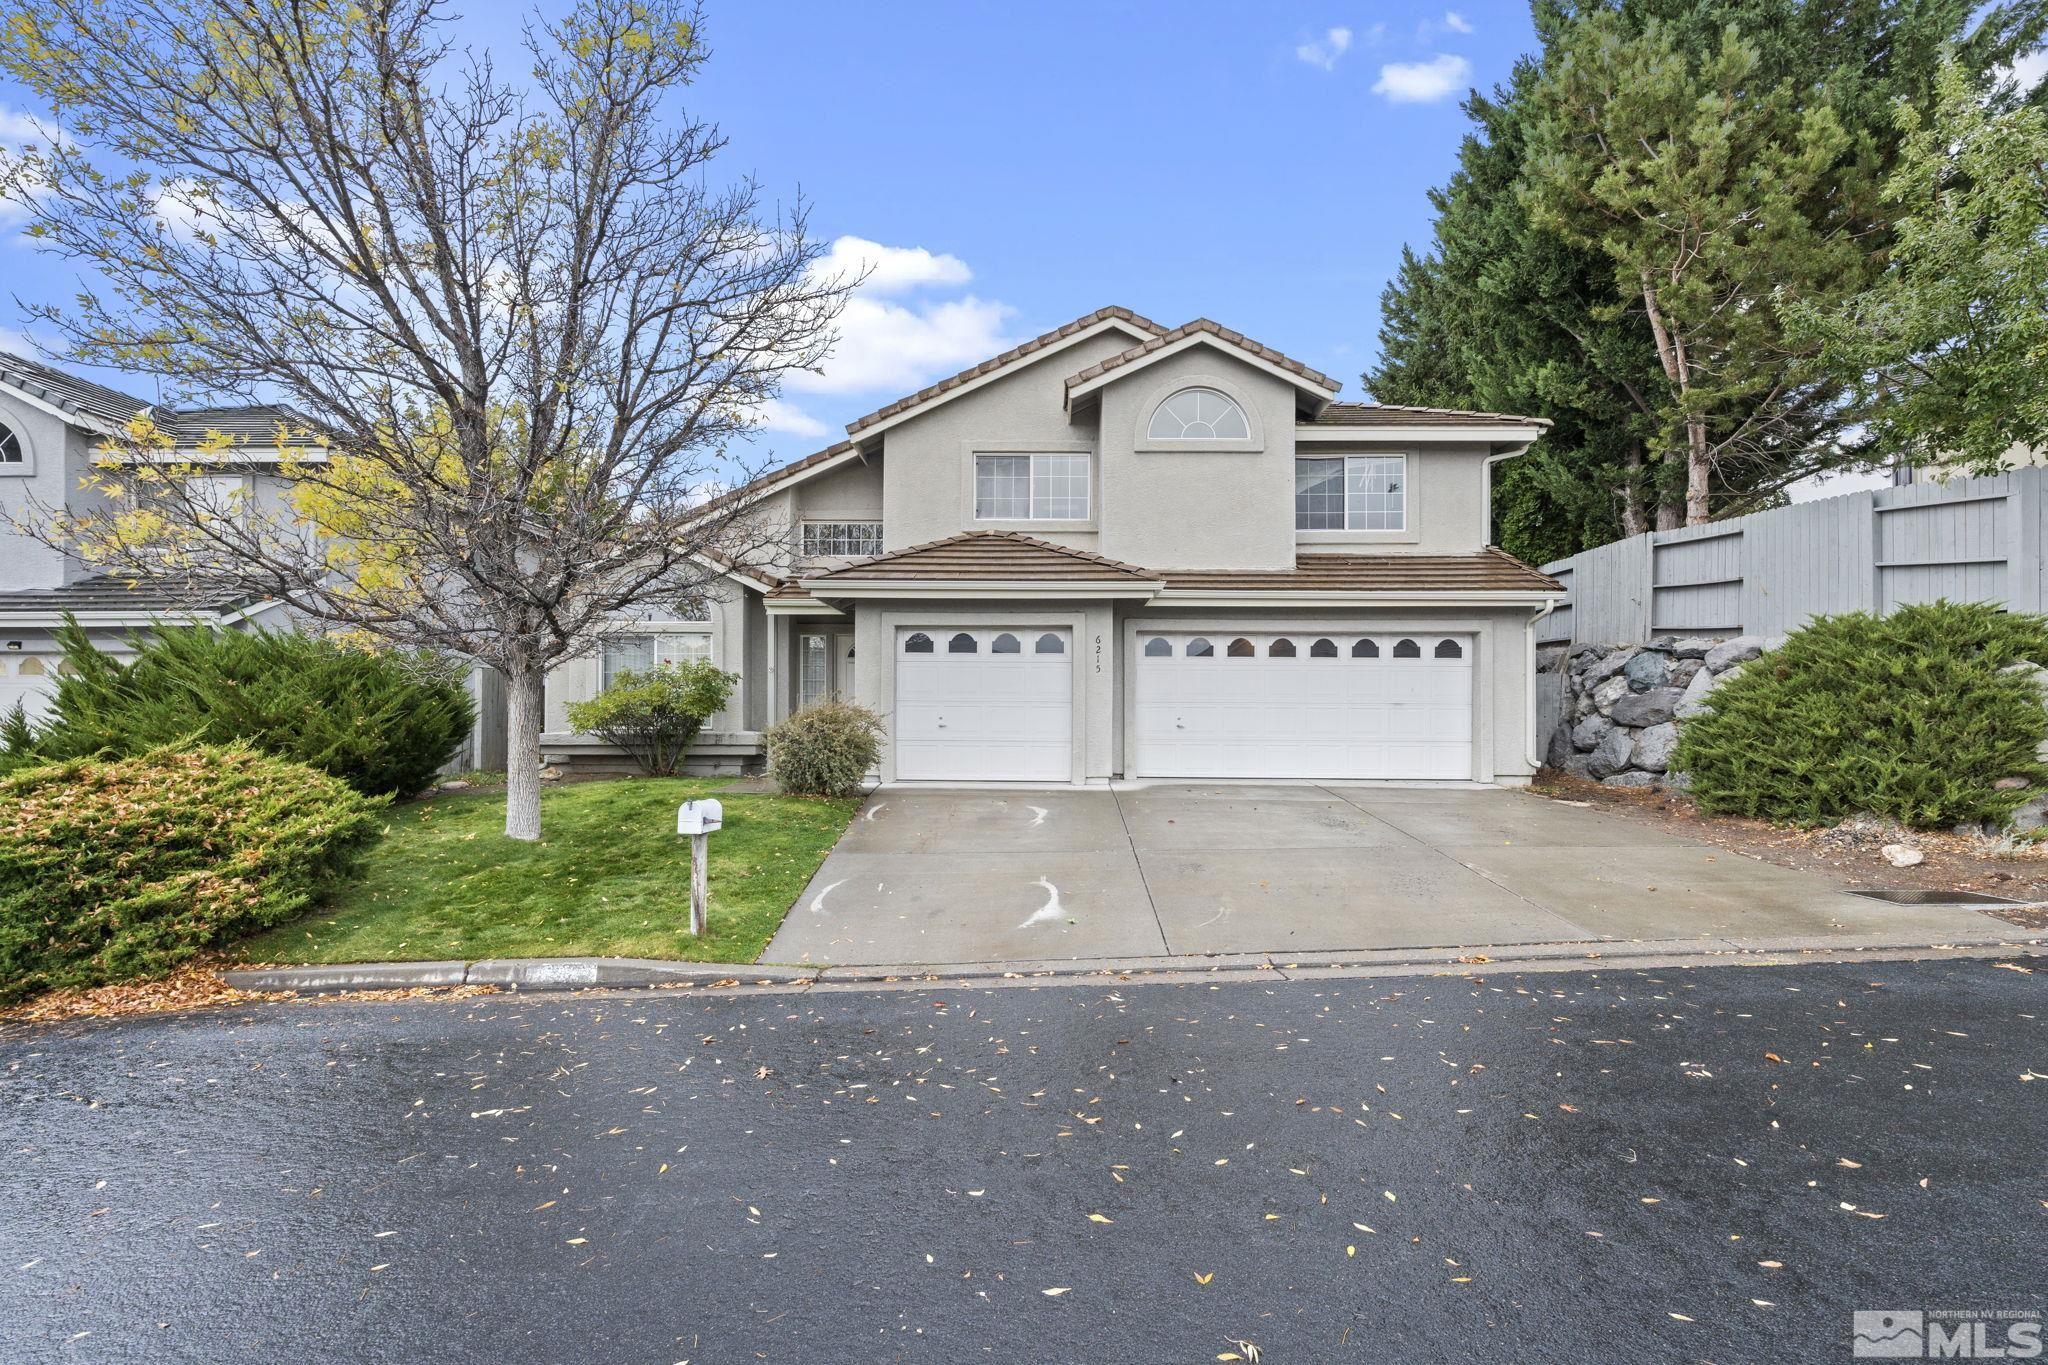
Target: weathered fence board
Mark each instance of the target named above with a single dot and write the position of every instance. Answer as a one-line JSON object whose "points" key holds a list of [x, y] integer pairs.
{"points": [[1768, 573]]}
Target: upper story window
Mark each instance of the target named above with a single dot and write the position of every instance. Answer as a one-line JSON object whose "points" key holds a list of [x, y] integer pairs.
{"points": [[1199, 415], [842, 539], [1351, 493], [1031, 487], [644, 653], [10, 446]]}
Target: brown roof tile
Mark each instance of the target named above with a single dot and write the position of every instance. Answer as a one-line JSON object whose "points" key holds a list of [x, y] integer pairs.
{"points": [[1221, 333], [1395, 414], [1490, 570], [990, 556], [1015, 353]]}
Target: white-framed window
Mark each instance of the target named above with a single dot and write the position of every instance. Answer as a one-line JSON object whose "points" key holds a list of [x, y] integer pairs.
{"points": [[1351, 493], [218, 495], [1031, 487], [1199, 414], [842, 539], [640, 653], [814, 670], [11, 449]]}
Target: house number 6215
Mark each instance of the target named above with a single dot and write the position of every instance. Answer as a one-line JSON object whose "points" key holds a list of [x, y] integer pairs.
{"points": [[1098, 654]]}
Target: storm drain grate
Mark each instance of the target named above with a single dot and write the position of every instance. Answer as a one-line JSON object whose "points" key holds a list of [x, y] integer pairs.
{"points": [[1935, 898]]}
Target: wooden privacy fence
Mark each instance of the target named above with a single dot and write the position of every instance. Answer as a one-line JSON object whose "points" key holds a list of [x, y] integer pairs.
{"points": [[1975, 540]]}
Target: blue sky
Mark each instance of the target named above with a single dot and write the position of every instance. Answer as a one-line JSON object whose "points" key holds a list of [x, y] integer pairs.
{"points": [[1019, 165]]}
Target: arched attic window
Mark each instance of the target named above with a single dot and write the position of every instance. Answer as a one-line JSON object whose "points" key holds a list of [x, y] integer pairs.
{"points": [[1199, 414]]}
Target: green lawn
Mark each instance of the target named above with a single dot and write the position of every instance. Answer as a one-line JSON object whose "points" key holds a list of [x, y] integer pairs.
{"points": [[609, 878]]}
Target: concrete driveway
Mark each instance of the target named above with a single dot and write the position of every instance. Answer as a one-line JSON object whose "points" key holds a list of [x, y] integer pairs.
{"points": [[961, 876]]}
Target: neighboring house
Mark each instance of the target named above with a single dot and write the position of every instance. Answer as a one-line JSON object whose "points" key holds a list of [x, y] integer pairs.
{"points": [[50, 425], [1124, 551]]}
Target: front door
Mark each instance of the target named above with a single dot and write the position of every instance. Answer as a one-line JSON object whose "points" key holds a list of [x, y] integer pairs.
{"points": [[824, 666]]}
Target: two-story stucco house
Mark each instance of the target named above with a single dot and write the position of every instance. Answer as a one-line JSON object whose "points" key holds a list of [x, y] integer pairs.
{"points": [[1126, 551]]}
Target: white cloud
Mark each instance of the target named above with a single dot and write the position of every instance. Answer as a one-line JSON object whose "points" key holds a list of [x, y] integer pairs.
{"points": [[900, 348], [1438, 78], [776, 415], [1456, 22], [2027, 70], [1325, 51], [893, 269]]}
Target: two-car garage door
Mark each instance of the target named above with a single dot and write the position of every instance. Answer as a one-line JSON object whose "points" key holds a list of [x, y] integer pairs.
{"points": [[1303, 706]]}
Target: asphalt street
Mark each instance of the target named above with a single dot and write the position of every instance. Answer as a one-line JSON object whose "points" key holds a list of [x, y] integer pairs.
{"points": [[1711, 1164]]}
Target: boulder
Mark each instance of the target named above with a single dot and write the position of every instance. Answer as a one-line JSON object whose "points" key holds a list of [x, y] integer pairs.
{"points": [[1560, 751], [1654, 745], [1609, 665], [1584, 655], [1646, 708], [1728, 653], [1549, 658], [2032, 815], [1647, 670], [1693, 700], [1903, 855], [1685, 670], [458, 785], [1616, 747], [1633, 779], [1692, 646], [1588, 733], [1607, 693]]}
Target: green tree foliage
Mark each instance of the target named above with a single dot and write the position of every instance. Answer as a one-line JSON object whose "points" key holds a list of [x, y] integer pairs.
{"points": [[383, 722], [655, 716], [1950, 348], [114, 871], [824, 750], [1915, 715], [1735, 150]]}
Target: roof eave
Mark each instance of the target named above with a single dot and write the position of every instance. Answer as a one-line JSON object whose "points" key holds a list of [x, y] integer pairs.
{"points": [[1445, 432], [1318, 390], [876, 589], [1346, 597]]}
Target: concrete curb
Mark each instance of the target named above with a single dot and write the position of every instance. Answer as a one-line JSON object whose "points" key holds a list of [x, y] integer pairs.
{"points": [[626, 973]]}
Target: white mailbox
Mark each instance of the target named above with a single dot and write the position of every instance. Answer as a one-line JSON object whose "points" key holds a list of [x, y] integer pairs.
{"points": [[699, 817]]}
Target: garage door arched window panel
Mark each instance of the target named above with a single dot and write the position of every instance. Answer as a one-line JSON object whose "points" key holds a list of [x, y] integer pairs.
{"points": [[1282, 648], [1050, 644], [963, 643], [1241, 648], [1449, 649], [1199, 648], [1323, 649], [1365, 649], [31, 667], [1199, 414], [1005, 644], [919, 643], [1158, 647], [1407, 649]]}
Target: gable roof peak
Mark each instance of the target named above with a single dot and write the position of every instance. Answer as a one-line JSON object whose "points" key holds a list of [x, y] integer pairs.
{"points": [[1137, 322], [1302, 376]]}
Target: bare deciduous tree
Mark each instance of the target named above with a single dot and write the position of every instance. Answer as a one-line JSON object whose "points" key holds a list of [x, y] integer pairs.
{"points": [[521, 327]]}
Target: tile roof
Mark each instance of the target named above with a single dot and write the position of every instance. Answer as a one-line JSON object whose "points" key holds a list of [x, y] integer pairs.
{"points": [[1203, 326], [1015, 353], [1395, 414], [187, 426], [990, 556], [106, 592], [1490, 570], [762, 482]]}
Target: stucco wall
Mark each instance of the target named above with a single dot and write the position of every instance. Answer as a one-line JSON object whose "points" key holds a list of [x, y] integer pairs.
{"points": [[930, 458], [1164, 508], [55, 459]]}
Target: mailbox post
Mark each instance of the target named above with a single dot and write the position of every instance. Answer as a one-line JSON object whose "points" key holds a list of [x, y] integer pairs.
{"points": [[698, 819]]}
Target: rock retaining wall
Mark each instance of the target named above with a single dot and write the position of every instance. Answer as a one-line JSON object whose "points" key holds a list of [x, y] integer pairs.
{"points": [[1620, 706]]}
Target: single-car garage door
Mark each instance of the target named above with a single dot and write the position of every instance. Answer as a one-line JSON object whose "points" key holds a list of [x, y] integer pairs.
{"points": [[984, 705], [1304, 706]]}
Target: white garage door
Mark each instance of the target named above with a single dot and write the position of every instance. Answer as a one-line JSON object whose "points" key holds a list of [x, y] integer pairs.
{"points": [[1306, 706], [28, 682], [984, 705]]}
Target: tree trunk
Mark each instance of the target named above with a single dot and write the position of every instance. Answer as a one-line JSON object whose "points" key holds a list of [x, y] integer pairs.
{"points": [[1697, 467], [522, 753], [1635, 517]]}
